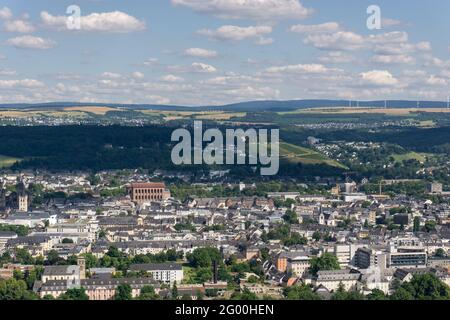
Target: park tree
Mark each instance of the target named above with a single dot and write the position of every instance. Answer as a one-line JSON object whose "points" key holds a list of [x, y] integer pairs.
{"points": [[327, 261], [148, 293], [12, 289], [422, 287], [74, 294], [204, 257], [377, 294], [123, 292]]}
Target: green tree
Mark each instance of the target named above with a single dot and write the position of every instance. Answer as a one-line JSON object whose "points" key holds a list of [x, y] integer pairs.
{"points": [[74, 294], [430, 226], [377, 294], [245, 295], [22, 256], [174, 291], [416, 227], [12, 289], [123, 292], [342, 294], [422, 287], [302, 292], [290, 217], [204, 257], [316, 236], [53, 258], [148, 293], [440, 253], [327, 261], [402, 294]]}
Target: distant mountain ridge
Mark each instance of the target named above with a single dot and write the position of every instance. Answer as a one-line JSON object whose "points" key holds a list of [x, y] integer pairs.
{"points": [[250, 106]]}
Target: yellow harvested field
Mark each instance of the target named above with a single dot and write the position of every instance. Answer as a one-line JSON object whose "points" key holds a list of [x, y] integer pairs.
{"points": [[15, 114], [203, 115], [221, 116], [347, 110], [70, 114], [95, 110]]}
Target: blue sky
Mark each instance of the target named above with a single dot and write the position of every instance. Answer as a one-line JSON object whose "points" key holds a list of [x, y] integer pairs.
{"points": [[203, 52]]}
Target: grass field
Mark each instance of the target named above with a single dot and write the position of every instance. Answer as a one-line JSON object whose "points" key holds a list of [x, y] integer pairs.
{"points": [[296, 154], [421, 157], [6, 162], [347, 110]]}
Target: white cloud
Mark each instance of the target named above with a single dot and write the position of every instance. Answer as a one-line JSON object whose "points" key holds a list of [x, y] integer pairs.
{"points": [[379, 77], [31, 42], [249, 9], [202, 68], [336, 57], [172, 78], [299, 69], [7, 72], [111, 75], [20, 26], [155, 99], [393, 59], [316, 28], [385, 44], [388, 22], [150, 62], [114, 22], [436, 81], [138, 75], [235, 33], [25, 83], [200, 53], [264, 41], [341, 40], [5, 13]]}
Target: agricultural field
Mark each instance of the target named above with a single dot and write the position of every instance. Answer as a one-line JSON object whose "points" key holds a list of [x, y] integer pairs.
{"points": [[198, 115], [95, 110], [296, 154]]}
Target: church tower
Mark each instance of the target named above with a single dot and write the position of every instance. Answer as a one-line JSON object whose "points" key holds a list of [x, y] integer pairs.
{"points": [[22, 197], [81, 261]]}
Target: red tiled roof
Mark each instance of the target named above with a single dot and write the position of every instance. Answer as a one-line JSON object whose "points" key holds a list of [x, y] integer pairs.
{"points": [[149, 185]]}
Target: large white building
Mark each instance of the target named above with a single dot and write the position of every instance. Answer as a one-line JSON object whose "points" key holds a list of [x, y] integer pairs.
{"points": [[161, 272]]}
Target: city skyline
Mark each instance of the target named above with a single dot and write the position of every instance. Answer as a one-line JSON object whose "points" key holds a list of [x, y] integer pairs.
{"points": [[205, 52]]}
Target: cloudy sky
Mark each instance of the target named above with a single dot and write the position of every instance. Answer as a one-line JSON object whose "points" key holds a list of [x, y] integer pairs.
{"points": [[205, 52]]}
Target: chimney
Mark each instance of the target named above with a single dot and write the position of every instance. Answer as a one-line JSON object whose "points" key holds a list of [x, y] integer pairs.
{"points": [[215, 272]]}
